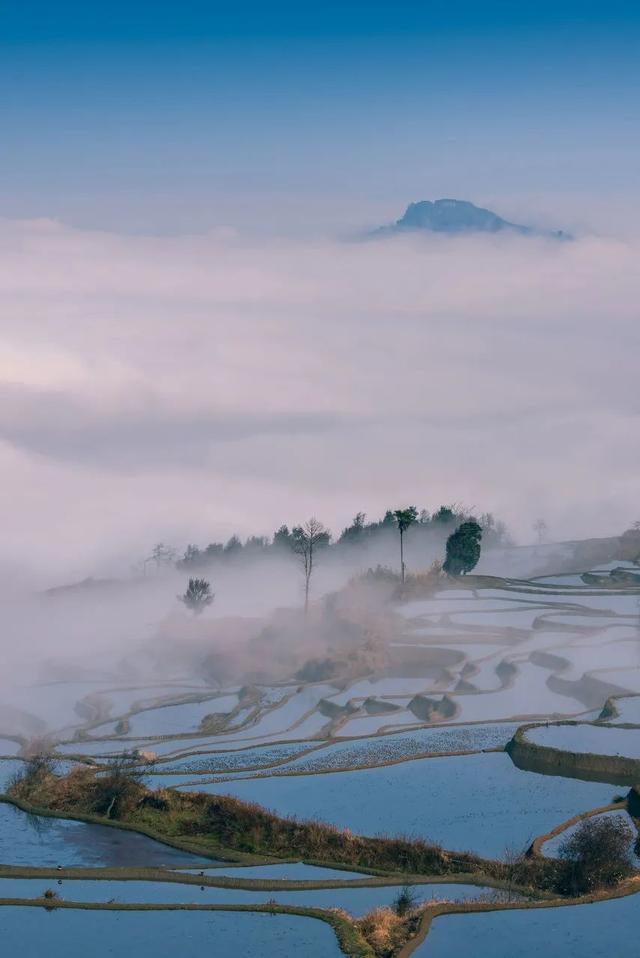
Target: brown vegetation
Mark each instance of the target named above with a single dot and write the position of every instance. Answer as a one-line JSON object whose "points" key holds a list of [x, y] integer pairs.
{"points": [[598, 854], [212, 822], [386, 931]]}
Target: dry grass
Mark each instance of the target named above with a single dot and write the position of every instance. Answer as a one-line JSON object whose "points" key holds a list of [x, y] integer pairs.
{"points": [[386, 932], [206, 821]]}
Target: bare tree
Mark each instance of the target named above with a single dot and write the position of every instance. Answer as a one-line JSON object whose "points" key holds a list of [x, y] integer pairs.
{"points": [[514, 860], [541, 530], [307, 539]]}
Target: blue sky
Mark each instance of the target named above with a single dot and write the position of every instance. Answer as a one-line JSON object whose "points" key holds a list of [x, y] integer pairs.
{"points": [[178, 116]]}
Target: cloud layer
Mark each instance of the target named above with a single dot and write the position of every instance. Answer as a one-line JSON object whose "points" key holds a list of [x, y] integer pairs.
{"points": [[187, 387]]}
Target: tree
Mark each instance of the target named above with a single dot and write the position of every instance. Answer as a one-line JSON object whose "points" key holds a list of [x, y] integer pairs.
{"points": [[463, 548], [353, 533], [541, 530], [404, 518], [598, 853], [445, 515], [233, 547], [215, 550], [515, 865], [282, 538], [494, 531], [256, 545], [198, 596], [191, 559], [119, 789], [307, 539], [161, 554]]}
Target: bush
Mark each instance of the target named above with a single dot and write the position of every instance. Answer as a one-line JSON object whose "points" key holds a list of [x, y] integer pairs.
{"points": [[405, 902], [317, 670], [50, 897], [118, 790], [385, 931], [35, 772], [598, 854]]}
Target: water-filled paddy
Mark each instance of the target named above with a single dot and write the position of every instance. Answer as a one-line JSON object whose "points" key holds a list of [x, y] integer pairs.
{"points": [[357, 901], [588, 931], [225, 762], [295, 719], [75, 933], [387, 686], [628, 708], [174, 719], [601, 740], [372, 724], [402, 745], [118, 701], [584, 658], [38, 841], [498, 619], [283, 717], [529, 694], [628, 679], [480, 803]]}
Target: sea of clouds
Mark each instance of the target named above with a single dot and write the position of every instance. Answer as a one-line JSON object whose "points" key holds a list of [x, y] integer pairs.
{"points": [[184, 388]]}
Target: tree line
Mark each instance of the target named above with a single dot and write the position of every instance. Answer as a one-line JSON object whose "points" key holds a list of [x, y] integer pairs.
{"points": [[312, 537], [359, 534]]}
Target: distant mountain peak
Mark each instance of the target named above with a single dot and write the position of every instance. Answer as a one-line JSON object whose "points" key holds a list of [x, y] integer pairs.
{"points": [[456, 217]]}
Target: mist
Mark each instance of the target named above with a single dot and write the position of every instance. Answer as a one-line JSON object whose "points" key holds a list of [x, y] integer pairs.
{"points": [[192, 387]]}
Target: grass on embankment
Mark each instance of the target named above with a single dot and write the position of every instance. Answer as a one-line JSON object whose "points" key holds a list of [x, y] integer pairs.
{"points": [[206, 824]]}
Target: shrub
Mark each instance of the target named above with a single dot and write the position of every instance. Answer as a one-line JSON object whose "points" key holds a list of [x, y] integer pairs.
{"points": [[32, 776], [598, 854], [386, 932], [119, 789], [50, 897], [316, 670], [405, 901]]}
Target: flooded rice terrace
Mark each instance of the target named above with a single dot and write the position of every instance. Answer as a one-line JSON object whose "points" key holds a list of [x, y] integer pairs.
{"points": [[422, 748]]}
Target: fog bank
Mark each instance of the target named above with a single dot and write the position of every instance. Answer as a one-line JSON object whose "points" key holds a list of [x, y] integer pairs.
{"points": [[186, 388]]}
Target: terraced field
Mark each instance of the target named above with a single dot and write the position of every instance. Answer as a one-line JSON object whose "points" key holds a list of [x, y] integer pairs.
{"points": [[416, 749]]}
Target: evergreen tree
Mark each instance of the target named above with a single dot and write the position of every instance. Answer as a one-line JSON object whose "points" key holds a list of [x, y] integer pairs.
{"points": [[463, 548], [282, 538], [198, 596]]}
